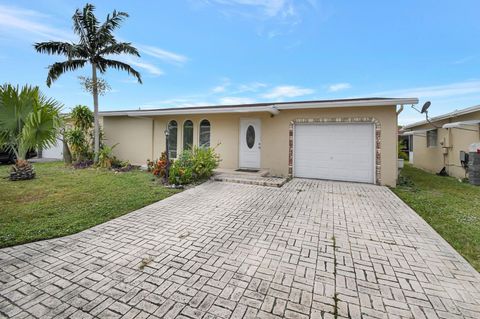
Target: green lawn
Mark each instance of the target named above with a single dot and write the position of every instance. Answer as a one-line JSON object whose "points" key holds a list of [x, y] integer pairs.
{"points": [[450, 207], [62, 200]]}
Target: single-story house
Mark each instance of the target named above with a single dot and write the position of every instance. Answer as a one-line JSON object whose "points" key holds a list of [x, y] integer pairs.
{"points": [[347, 140], [443, 141]]}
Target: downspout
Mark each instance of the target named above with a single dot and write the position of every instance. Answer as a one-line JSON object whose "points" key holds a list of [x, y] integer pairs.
{"points": [[153, 139], [396, 155], [399, 110]]}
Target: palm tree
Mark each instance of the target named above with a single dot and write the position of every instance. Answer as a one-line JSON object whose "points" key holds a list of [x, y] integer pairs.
{"points": [[96, 43], [27, 120]]}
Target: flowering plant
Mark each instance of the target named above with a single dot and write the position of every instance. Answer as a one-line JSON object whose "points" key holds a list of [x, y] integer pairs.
{"points": [[159, 167]]}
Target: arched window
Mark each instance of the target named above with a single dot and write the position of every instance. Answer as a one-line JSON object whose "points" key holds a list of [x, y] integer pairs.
{"points": [[204, 134], [187, 135], [172, 139]]}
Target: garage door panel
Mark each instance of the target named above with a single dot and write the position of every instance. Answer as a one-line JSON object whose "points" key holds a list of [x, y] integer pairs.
{"points": [[334, 151]]}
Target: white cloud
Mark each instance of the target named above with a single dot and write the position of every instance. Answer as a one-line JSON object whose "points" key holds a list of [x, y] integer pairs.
{"points": [[287, 91], [232, 100], [445, 98], [463, 60], [234, 89], [271, 18], [250, 87], [162, 54], [339, 87], [219, 89], [14, 20], [175, 102], [150, 68], [270, 8], [446, 90]]}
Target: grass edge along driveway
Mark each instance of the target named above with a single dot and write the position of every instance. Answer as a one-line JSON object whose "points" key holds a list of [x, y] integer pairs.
{"points": [[452, 208], [62, 201]]}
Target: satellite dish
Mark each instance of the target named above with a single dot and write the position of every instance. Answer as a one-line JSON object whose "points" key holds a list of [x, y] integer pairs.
{"points": [[425, 107]]}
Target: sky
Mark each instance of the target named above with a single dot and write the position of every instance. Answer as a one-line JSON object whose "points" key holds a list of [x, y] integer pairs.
{"points": [[209, 52]]}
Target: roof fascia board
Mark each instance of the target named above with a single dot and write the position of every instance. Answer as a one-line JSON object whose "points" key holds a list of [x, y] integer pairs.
{"points": [[272, 109], [460, 124], [333, 104], [416, 132], [446, 116], [179, 111]]}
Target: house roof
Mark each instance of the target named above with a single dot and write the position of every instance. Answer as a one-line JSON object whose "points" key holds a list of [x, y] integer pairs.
{"points": [[416, 132], [453, 114], [274, 107], [461, 124]]}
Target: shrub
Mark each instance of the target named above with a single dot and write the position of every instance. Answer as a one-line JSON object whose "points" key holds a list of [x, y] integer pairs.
{"points": [[158, 167], [105, 156], [116, 163], [402, 150], [181, 171], [194, 165], [205, 160], [83, 164], [78, 144], [80, 138], [124, 168]]}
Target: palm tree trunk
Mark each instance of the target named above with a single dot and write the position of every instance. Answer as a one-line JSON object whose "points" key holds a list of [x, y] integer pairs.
{"points": [[67, 155], [95, 113]]}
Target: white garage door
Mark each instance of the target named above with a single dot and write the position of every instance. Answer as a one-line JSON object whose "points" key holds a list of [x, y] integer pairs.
{"points": [[343, 152]]}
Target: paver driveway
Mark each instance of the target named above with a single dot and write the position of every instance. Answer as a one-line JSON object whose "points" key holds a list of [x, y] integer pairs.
{"points": [[309, 249]]}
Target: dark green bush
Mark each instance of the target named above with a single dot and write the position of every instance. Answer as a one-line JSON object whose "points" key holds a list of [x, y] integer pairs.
{"points": [[193, 165]]}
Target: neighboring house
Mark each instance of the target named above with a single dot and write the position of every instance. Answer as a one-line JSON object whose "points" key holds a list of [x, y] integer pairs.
{"points": [[54, 151], [443, 140], [346, 140]]}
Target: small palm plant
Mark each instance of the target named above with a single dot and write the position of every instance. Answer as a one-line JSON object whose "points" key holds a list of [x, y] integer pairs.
{"points": [[96, 45], [27, 120]]}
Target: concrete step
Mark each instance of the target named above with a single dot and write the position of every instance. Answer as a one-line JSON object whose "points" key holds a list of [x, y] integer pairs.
{"points": [[251, 180]]}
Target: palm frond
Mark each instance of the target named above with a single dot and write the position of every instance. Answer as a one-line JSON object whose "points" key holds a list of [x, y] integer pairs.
{"points": [[41, 129], [105, 31], [27, 119], [57, 69], [120, 48], [79, 28], [91, 24], [69, 50], [103, 64]]}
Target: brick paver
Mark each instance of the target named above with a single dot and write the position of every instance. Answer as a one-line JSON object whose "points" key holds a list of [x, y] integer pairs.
{"points": [[311, 249]]}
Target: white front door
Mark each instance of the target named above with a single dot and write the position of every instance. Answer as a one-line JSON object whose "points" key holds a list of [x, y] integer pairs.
{"points": [[250, 143]]}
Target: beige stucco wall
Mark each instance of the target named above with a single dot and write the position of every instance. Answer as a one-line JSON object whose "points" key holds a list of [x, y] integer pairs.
{"points": [[451, 141], [134, 136]]}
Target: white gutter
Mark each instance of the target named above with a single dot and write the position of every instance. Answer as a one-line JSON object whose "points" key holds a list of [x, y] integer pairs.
{"points": [[270, 109], [461, 124], [334, 104], [416, 133]]}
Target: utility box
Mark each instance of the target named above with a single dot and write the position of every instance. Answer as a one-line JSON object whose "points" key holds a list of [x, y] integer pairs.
{"points": [[474, 164]]}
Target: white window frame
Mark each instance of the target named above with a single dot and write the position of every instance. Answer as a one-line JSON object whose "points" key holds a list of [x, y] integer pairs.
{"points": [[209, 132]]}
